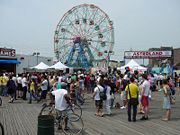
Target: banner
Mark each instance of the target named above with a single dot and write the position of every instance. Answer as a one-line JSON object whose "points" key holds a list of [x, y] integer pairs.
{"points": [[7, 52], [147, 54]]}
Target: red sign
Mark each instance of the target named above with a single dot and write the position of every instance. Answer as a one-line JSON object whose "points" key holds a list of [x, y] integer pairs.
{"points": [[146, 54], [7, 52]]}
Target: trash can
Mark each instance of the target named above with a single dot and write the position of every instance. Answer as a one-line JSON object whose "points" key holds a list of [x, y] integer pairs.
{"points": [[45, 125]]}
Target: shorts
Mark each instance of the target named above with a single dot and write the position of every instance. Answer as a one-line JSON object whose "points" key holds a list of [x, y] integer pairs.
{"points": [[99, 104], [43, 94], [20, 88], [145, 101], [61, 113]]}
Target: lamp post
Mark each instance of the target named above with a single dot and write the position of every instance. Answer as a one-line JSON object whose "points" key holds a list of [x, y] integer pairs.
{"points": [[37, 55]]}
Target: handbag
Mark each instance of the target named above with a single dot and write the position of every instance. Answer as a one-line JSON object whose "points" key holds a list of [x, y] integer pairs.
{"points": [[172, 98], [133, 101]]}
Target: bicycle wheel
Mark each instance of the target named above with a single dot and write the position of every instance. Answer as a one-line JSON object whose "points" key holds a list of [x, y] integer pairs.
{"points": [[48, 110], [76, 109], [0, 101], [73, 127], [1, 129]]}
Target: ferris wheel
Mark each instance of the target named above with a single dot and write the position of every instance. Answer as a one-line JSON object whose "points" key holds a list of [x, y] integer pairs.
{"points": [[84, 37]]}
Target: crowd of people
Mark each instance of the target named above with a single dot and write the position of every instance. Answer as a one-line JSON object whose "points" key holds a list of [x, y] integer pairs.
{"points": [[134, 89]]}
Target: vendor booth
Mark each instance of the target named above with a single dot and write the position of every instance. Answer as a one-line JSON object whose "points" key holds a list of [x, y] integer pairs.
{"points": [[58, 66], [133, 65]]}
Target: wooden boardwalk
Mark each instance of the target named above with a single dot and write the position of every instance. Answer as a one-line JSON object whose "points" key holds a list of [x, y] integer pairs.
{"points": [[20, 118]]}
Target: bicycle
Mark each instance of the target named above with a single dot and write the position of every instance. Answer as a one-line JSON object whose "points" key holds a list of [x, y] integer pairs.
{"points": [[1, 129], [75, 122], [70, 123], [50, 109]]}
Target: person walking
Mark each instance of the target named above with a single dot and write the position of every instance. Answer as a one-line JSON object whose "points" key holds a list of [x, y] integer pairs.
{"points": [[44, 88], [1, 84], [123, 84], [19, 87], [15, 81], [68, 80], [96, 96], [79, 90], [81, 82], [73, 87], [92, 83], [62, 101], [132, 98], [107, 89], [113, 90], [11, 88], [4, 84], [166, 100], [145, 96], [140, 107], [25, 86], [32, 90]]}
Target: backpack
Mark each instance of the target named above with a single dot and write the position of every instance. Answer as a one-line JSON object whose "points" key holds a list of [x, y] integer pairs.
{"points": [[102, 94]]}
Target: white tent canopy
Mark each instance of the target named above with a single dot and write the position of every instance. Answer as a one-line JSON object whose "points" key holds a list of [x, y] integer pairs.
{"points": [[40, 66], [58, 66], [133, 65]]}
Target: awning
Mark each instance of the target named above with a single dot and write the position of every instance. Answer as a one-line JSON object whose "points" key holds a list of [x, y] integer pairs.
{"points": [[9, 61]]}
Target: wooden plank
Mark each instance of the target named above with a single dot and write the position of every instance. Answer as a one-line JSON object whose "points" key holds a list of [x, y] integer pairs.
{"points": [[20, 118]]}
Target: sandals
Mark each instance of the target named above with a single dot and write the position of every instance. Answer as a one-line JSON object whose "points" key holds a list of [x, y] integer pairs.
{"points": [[99, 115], [140, 112], [164, 119]]}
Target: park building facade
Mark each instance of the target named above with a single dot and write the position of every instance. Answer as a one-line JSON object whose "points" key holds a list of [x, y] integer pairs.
{"points": [[18, 63], [174, 60]]}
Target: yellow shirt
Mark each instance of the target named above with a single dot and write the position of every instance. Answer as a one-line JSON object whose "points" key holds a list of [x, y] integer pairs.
{"points": [[52, 82], [32, 86], [3, 80], [133, 90]]}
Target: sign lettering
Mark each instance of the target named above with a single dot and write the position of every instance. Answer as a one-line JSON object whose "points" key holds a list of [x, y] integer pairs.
{"points": [[7, 52], [147, 54]]}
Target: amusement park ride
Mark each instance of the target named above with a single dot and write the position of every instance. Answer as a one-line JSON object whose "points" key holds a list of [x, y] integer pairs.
{"points": [[84, 37]]}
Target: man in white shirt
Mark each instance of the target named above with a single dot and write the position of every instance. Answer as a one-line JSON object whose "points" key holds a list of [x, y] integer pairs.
{"points": [[44, 88], [145, 96], [19, 88], [15, 81], [24, 85], [98, 101], [60, 78], [61, 98], [107, 88], [62, 101]]}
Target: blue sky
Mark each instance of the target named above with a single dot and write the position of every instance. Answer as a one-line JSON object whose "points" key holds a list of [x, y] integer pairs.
{"points": [[29, 25]]}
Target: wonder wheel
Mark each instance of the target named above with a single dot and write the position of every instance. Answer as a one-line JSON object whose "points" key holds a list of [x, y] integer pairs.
{"points": [[84, 37]]}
